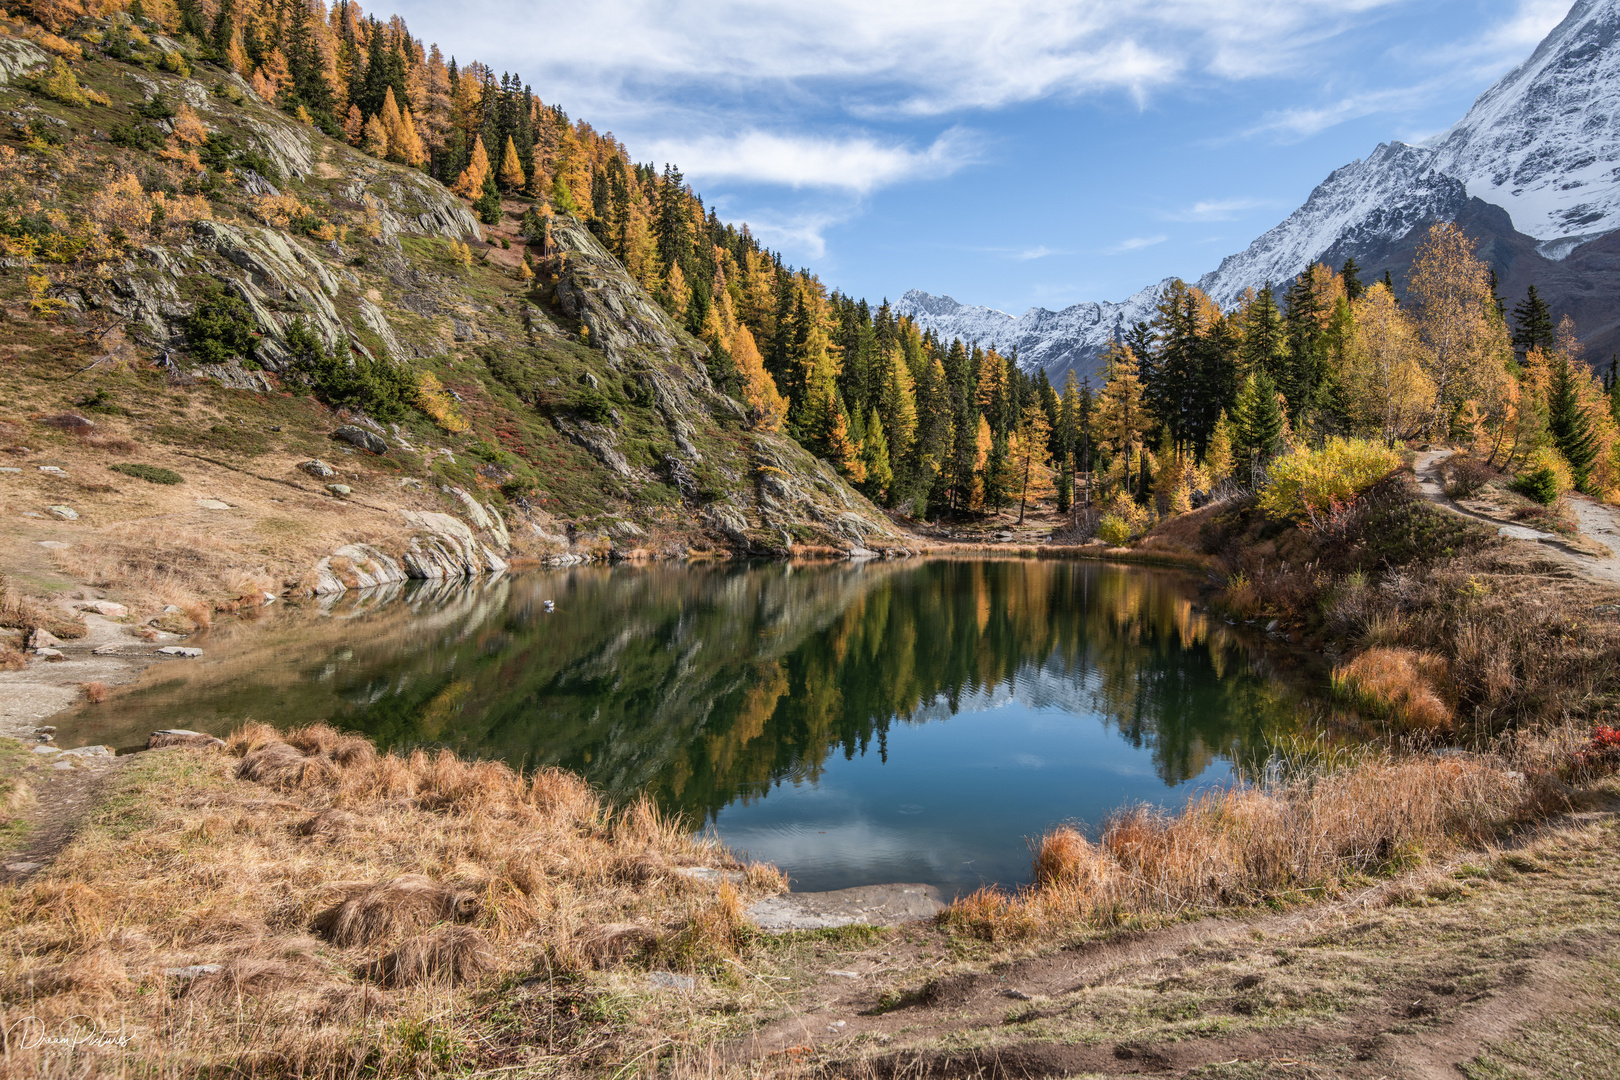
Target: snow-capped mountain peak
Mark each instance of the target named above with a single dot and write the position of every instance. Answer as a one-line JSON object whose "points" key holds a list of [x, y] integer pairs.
{"points": [[1542, 144]]}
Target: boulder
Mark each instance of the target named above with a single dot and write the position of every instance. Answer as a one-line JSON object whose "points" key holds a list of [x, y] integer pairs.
{"points": [[66, 513], [360, 438], [50, 654], [317, 468], [179, 651], [105, 608], [446, 548], [213, 504], [42, 638], [342, 491], [355, 566]]}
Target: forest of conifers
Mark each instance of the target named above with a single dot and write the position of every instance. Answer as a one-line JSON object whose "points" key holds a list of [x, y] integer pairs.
{"points": [[1191, 398]]}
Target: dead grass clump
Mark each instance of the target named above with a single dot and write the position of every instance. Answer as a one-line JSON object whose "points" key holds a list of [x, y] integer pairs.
{"points": [[445, 954], [280, 765], [343, 750], [329, 824], [1294, 840], [94, 692], [611, 944], [15, 795], [95, 973], [716, 930], [233, 930], [25, 613], [1402, 684], [248, 977], [391, 909], [70, 422], [11, 658]]}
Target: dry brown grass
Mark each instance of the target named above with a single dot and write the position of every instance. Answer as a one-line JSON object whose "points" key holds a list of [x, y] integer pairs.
{"points": [[360, 905], [94, 692], [1289, 841], [26, 613], [1405, 685]]}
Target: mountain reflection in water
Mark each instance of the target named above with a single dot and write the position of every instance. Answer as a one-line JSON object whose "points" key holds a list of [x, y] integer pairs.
{"points": [[713, 686]]}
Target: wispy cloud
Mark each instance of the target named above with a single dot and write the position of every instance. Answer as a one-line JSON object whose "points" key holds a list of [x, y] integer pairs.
{"points": [[1292, 125], [1218, 210], [859, 164], [1039, 252], [903, 57], [1135, 243], [1494, 47]]}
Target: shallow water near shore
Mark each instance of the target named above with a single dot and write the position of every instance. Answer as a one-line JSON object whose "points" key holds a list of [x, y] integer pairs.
{"points": [[853, 723]]}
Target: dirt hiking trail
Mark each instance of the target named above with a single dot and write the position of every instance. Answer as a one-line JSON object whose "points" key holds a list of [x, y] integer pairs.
{"points": [[1598, 524]]}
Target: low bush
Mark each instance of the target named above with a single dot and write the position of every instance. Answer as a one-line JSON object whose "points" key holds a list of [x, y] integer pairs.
{"points": [[1113, 530], [1320, 485], [1544, 478], [382, 389], [1465, 476], [152, 474]]}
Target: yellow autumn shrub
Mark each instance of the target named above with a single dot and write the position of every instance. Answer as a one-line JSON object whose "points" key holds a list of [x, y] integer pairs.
{"points": [[1316, 484]]}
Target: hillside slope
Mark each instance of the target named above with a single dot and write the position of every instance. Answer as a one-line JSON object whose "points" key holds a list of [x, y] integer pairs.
{"points": [[190, 303]]}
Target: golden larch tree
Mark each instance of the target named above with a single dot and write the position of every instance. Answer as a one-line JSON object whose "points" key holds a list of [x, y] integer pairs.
{"points": [[470, 184], [511, 176]]}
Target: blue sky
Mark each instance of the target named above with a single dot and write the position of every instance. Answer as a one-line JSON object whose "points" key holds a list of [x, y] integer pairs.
{"points": [[1015, 153]]}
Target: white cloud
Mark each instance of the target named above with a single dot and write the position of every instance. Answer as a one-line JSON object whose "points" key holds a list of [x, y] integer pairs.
{"points": [[1040, 251], [1495, 48], [1218, 210], [859, 164], [798, 235], [1135, 243], [1292, 125], [902, 57]]}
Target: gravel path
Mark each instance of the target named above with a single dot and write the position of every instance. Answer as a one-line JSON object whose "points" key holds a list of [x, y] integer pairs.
{"points": [[1597, 522]]}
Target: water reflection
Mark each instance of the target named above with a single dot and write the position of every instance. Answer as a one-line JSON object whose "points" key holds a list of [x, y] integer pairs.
{"points": [[713, 686]]}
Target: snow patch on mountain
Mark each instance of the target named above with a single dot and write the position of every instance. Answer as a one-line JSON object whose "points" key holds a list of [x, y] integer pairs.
{"points": [[1544, 142]]}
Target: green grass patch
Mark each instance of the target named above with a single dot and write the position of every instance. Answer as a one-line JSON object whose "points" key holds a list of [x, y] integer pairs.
{"points": [[152, 474]]}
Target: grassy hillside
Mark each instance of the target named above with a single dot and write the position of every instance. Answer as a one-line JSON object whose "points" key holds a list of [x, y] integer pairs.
{"points": [[198, 282]]}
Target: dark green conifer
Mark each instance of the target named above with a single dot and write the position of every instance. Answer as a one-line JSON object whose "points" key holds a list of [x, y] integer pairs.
{"points": [[1532, 324], [1570, 426]]}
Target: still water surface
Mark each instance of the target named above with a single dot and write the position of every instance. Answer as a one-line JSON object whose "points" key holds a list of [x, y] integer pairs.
{"points": [[852, 723]]}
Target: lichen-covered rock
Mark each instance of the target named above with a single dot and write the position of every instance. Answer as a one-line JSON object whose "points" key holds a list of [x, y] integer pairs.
{"points": [[19, 57], [317, 468], [485, 518], [355, 566], [360, 438], [446, 548]]}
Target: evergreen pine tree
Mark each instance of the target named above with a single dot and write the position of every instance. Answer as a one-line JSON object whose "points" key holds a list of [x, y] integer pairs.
{"points": [[488, 203], [1532, 324], [1351, 272], [1568, 423], [1258, 421], [1265, 342], [1389, 283], [875, 456]]}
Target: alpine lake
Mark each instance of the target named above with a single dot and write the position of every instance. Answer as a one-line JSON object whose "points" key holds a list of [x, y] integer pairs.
{"points": [[854, 723]]}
